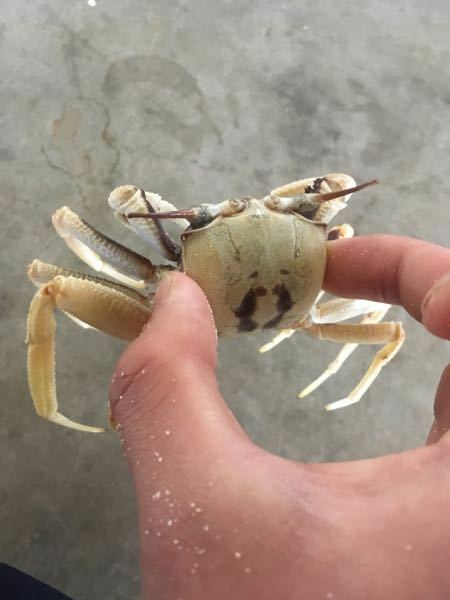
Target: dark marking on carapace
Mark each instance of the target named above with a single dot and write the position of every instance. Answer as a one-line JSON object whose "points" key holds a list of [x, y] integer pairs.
{"points": [[247, 325], [247, 306], [260, 291], [246, 310], [284, 271], [253, 275], [284, 303]]}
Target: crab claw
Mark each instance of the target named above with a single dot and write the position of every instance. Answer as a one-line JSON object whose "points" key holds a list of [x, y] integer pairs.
{"points": [[129, 199]]}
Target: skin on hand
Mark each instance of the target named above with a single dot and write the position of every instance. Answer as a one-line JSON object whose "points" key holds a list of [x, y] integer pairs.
{"points": [[221, 518]]}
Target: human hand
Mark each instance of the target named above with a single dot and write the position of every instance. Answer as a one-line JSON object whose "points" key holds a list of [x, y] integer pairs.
{"points": [[221, 518]]}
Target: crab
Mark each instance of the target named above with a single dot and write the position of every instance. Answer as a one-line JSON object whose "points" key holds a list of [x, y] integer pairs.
{"points": [[259, 261]]}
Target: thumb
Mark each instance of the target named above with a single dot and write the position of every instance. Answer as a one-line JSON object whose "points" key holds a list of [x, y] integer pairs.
{"points": [[184, 448], [164, 395], [192, 464]]}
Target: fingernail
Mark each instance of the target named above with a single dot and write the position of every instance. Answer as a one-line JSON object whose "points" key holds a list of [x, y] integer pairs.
{"points": [[164, 291], [434, 434], [436, 308], [426, 302]]}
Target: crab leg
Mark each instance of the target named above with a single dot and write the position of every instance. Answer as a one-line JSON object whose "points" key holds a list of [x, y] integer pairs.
{"points": [[97, 304], [102, 253], [339, 232], [40, 273], [391, 334], [334, 311], [340, 359], [341, 309], [283, 334]]}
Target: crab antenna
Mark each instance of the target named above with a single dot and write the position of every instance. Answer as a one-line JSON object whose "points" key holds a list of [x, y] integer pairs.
{"points": [[173, 214], [338, 194]]}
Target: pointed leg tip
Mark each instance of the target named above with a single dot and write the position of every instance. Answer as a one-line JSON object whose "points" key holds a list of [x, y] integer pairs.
{"points": [[89, 429], [86, 428], [97, 430], [312, 387], [60, 419], [339, 404]]}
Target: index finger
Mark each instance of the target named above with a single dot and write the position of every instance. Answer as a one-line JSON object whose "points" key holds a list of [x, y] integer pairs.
{"points": [[395, 270]]}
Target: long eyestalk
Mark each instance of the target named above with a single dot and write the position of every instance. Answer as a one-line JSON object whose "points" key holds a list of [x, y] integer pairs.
{"points": [[339, 193], [172, 214], [306, 202]]}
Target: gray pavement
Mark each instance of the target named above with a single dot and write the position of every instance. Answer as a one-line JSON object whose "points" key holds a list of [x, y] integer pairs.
{"points": [[200, 101]]}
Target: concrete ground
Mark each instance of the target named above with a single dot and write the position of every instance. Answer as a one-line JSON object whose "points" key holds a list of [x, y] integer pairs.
{"points": [[200, 101]]}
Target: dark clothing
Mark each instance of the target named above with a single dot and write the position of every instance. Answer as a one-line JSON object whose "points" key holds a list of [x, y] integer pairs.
{"points": [[15, 585]]}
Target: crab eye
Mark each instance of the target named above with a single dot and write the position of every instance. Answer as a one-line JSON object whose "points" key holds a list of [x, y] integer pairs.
{"points": [[203, 217], [235, 206], [206, 213]]}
